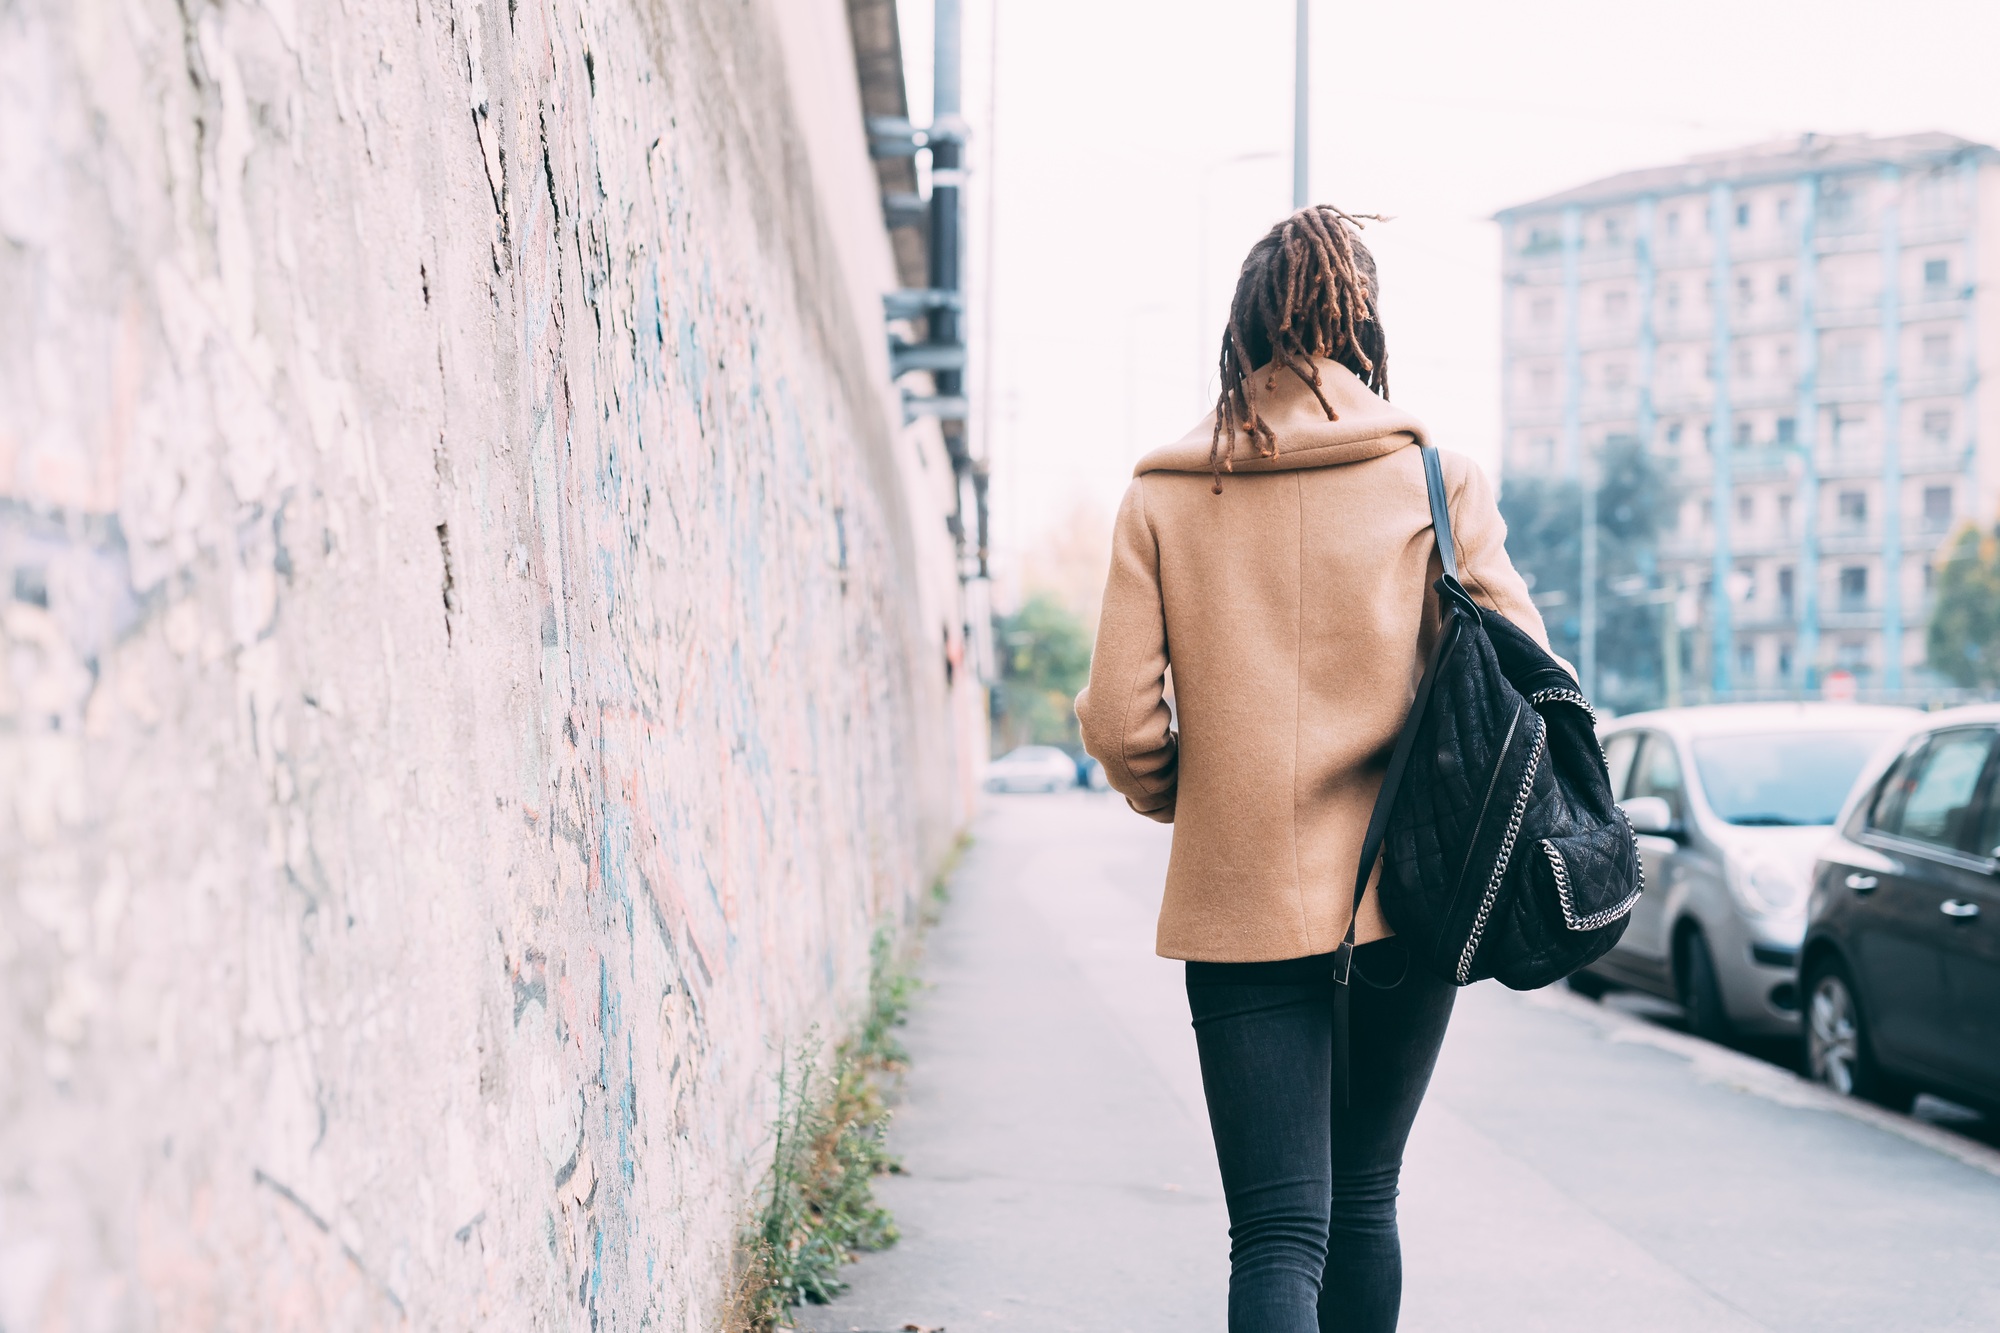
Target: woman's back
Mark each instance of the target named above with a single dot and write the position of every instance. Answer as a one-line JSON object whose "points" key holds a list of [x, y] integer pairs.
{"points": [[1295, 605]]}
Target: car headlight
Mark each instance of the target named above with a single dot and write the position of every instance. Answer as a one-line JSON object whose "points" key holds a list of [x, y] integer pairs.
{"points": [[1773, 888]]}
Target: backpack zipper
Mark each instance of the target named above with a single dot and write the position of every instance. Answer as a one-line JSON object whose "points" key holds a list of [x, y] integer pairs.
{"points": [[1506, 854]]}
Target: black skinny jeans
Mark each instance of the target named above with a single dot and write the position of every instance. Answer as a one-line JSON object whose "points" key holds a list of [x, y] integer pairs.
{"points": [[1312, 1186]]}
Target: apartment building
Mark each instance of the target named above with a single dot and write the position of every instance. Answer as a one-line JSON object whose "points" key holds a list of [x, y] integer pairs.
{"points": [[1802, 337]]}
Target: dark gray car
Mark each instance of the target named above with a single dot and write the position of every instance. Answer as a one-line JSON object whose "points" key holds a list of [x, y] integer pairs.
{"points": [[1902, 950]]}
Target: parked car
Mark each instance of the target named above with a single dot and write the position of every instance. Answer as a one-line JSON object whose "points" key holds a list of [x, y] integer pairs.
{"points": [[1031, 768], [1730, 804], [1902, 950]]}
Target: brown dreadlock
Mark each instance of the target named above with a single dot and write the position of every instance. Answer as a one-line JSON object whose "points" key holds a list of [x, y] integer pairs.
{"points": [[1307, 291]]}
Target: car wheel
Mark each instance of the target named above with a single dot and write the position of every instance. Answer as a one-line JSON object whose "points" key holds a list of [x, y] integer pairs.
{"points": [[1838, 1053], [1701, 993], [1587, 984]]}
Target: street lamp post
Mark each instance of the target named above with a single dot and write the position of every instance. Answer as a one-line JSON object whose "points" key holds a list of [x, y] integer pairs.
{"points": [[1301, 86]]}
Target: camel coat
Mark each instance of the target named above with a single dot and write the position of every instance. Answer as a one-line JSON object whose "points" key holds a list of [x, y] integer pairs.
{"points": [[1295, 611]]}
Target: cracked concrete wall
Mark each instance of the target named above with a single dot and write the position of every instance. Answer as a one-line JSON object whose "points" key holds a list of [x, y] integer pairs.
{"points": [[479, 648]]}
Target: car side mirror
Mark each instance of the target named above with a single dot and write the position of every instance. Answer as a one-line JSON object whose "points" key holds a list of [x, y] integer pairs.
{"points": [[1650, 814]]}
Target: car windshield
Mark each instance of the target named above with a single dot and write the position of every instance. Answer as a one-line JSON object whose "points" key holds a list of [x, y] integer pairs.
{"points": [[1788, 778]]}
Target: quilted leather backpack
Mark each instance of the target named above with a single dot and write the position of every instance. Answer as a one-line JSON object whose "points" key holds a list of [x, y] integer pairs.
{"points": [[1503, 852]]}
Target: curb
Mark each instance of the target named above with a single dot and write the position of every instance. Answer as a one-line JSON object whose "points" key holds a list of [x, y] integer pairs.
{"points": [[1745, 1073]]}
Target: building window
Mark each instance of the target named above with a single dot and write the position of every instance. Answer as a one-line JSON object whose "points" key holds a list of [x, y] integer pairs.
{"points": [[1852, 507], [1786, 593], [1937, 425], [1614, 304], [1674, 435], [1784, 355], [1784, 650], [1847, 354], [1746, 661], [1544, 381], [1937, 351], [1852, 654], [1742, 435], [1743, 215], [1835, 203], [1784, 286], [1784, 209], [1542, 309], [1614, 375], [1854, 588], [1937, 508], [1673, 295], [1785, 526], [1673, 222], [1788, 430], [1746, 509], [1847, 427], [1746, 292], [1541, 240], [1745, 362], [1545, 452], [1937, 272]]}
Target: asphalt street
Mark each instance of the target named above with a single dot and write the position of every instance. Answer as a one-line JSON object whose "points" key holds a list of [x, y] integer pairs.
{"points": [[1576, 1167]]}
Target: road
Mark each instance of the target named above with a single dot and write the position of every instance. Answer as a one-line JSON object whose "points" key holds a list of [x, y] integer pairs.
{"points": [[1575, 1166]]}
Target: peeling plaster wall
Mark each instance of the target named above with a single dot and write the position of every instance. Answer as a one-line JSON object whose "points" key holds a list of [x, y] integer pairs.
{"points": [[477, 648]]}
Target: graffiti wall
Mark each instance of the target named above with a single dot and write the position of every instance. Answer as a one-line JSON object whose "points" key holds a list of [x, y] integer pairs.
{"points": [[476, 648]]}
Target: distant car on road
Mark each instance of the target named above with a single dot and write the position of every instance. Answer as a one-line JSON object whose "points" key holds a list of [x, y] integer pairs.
{"points": [[1032, 768], [1902, 951], [1730, 804]]}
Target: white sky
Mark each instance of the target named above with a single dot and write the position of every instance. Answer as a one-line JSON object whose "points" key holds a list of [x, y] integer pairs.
{"points": [[1119, 218]]}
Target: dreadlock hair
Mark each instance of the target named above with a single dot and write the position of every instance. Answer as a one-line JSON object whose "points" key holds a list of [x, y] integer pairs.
{"points": [[1307, 291]]}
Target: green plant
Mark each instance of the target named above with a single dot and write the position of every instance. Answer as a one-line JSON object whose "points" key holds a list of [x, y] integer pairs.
{"points": [[1963, 642], [1044, 661], [1544, 517], [816, 1207]]}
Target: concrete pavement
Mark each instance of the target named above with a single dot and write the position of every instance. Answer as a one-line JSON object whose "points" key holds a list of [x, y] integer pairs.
{"points": [[1573, 1168]]}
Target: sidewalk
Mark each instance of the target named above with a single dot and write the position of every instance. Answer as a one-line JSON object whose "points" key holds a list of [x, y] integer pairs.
{"points": [[1572, 1169]]}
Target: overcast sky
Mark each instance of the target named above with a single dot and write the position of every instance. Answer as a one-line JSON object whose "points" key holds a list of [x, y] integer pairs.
{"points": [[1126, 190]]}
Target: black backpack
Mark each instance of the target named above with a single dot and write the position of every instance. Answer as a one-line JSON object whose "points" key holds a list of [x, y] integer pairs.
{"points": [[1503, 852]]}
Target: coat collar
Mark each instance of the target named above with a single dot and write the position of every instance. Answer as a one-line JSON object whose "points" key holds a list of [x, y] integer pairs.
{"points": [[1365, 426]]}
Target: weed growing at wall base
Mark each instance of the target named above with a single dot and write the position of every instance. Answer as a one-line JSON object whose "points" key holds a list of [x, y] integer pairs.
{"points": [[817, 1205]]}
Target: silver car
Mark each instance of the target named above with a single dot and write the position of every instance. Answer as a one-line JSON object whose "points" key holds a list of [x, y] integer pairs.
{"points": [[1731, 804], [1032, 768]]}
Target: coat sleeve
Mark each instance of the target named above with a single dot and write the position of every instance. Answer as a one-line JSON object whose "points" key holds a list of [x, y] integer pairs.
{"points": [[1127, 725], [1483, 566]]}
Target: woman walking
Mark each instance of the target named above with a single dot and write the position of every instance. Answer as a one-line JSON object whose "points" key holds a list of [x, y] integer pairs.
{"points": [[1279, 561]]}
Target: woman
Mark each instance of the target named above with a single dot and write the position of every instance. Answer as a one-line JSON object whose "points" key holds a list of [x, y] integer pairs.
{"points": [[1279, 559]]}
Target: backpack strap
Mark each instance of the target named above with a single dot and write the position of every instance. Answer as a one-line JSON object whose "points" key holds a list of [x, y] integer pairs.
{"points": [[1440, 509], [1399, 760]]}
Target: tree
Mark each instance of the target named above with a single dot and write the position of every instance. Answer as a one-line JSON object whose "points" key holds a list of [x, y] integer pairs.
{"points": [[1545, 540], [1963, 642], [1044, 661]]}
